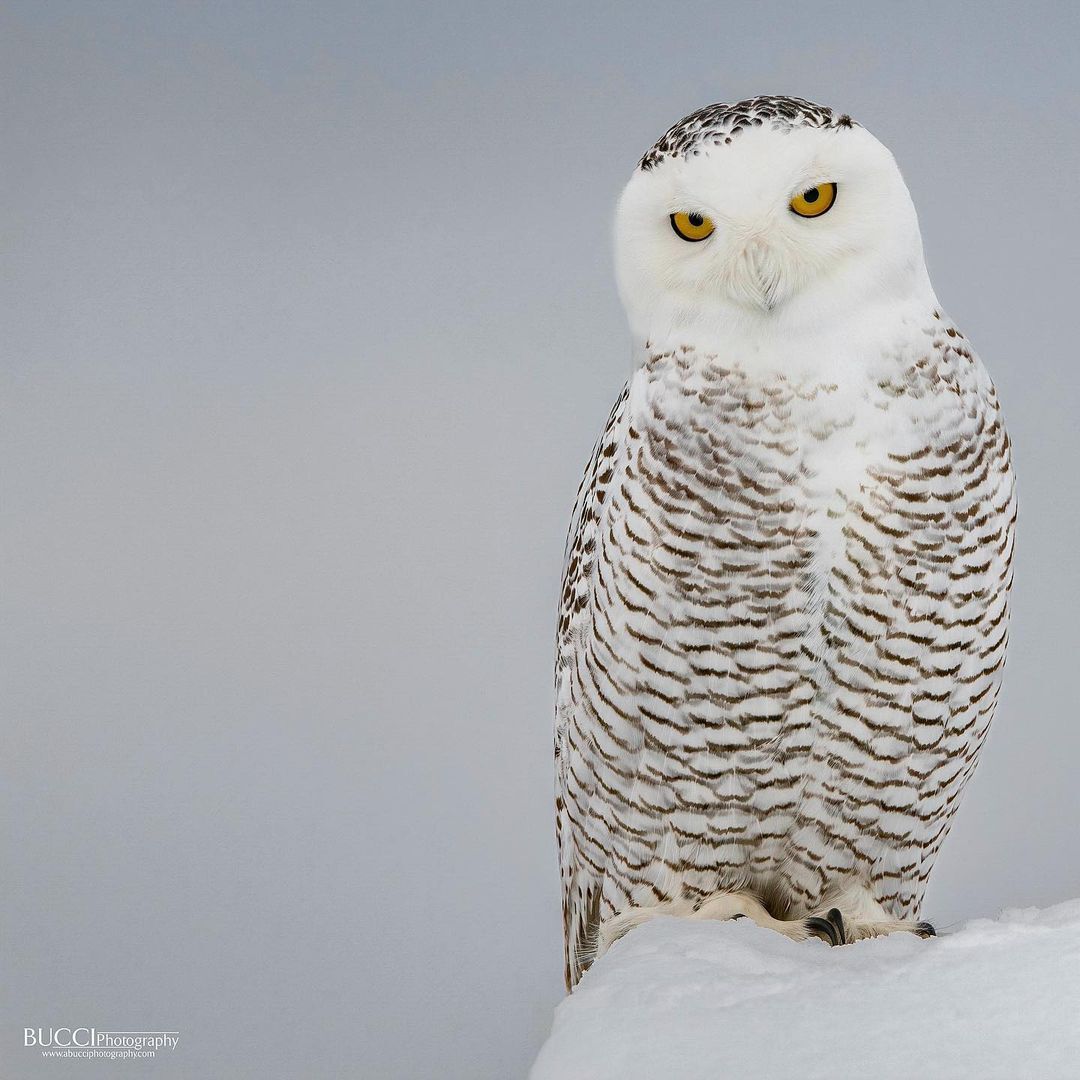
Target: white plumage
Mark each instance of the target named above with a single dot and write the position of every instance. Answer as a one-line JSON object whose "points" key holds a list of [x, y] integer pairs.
{"points": [[785, 598]]}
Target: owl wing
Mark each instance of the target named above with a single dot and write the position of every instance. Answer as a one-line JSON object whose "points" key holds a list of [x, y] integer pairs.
{"points": [[580, 552], [581, 881], [915, 626], [946, 512]]}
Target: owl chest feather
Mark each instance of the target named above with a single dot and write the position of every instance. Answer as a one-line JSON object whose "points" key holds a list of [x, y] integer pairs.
{"points": [[739, 491], [795, 624]]}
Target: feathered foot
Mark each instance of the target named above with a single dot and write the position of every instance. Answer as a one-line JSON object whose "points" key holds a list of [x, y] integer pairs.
{"points": [[858, 916], [721, 906], [837, 930]]}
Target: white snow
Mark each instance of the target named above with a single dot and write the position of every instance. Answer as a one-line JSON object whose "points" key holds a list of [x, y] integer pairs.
{"points": [[679, 1000]]}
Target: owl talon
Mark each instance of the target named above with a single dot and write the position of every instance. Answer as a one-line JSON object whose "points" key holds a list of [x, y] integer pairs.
{"points": [[837, 920], [830, 928], [925, 930], [822, 928]]}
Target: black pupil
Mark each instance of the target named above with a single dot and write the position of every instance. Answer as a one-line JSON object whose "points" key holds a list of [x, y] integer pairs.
{"points": [[811, 195], [696, 220]]}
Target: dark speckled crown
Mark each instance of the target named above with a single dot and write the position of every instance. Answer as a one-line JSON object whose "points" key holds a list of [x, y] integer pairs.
{"points": [[717, 125]]}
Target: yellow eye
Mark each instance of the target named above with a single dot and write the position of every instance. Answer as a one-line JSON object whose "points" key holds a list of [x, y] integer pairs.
{"points": [[692, 227], [814, 201]]}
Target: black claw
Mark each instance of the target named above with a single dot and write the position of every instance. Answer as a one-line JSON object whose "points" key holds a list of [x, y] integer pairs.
{"points": [[823, 928], [925, 930], [834, 916]]}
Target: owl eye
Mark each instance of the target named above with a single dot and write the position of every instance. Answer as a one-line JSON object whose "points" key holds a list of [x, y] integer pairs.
{"points": [[814, 201], [692, 227]]}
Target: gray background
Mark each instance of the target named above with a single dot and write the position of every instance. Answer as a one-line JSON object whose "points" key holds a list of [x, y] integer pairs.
{"points": [[308, 327]]}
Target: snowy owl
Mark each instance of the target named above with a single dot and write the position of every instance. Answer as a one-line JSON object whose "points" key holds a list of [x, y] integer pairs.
{"points": [[785, 596]]}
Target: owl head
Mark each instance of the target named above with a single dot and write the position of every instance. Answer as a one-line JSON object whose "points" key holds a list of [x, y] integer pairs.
{"points": [[772, 211]]}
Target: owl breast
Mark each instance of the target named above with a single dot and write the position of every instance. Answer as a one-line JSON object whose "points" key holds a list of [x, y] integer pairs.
{"points": [[789, 659]]}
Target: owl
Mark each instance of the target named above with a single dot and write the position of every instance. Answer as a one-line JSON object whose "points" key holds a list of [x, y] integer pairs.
{"points": [[785, 598]]}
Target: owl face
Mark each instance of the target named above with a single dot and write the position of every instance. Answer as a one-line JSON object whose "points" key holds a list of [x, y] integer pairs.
{"points": [[787, 225]]}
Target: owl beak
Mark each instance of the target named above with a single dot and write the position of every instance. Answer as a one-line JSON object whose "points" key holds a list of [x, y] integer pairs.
{"points": [[756, 275]]}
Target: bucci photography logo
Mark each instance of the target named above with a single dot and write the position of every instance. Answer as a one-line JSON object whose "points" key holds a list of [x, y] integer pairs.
{"points": [[88, 1042]]}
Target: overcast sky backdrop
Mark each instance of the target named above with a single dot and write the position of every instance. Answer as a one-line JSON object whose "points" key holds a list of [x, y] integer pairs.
{"points": [[308, 327]]}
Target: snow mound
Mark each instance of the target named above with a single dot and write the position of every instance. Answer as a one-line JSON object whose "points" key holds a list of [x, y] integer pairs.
{"points": [[683, 999]]}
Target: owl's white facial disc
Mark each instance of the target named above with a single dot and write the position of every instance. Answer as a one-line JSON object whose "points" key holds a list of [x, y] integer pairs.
{"points": [[763, 267]]}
